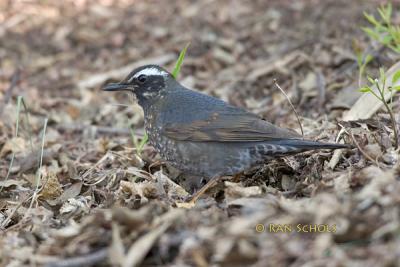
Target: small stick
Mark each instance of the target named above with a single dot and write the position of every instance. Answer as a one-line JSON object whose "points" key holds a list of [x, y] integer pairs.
{"points": [[290, 102], [84, 260], [359, 147], [362, 151]]}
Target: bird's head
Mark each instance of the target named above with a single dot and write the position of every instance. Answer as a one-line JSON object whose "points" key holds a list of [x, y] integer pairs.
{"points": [[148, 83]]}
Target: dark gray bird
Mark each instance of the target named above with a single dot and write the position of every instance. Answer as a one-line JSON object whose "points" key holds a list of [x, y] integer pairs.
{"points": [[202, 135]]}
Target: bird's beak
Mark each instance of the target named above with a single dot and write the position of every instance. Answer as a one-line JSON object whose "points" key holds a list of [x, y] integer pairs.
{"points": [[116, 87]]}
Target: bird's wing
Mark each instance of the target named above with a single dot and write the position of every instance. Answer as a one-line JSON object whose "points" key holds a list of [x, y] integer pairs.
{"points": [[228, 124]]}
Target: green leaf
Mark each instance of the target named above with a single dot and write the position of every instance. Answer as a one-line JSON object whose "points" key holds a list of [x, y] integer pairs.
{"points": [[387, 39], [382, 74], [389, 10], [371, 19], [179, 62], [395, 31], [382, 13], [368, 59], [142, 143], [385, 12], [371, 33], [396, 88], [359, 60], [396, 77], [372, 81], [364, 89], [138, 145]]}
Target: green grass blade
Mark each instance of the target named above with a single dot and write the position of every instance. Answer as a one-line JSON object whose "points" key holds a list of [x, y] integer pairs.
{"points": [[142, 143], [19, 102], [38, 172], [179, 62], [138, 145], [38, 176], [28, 122]]}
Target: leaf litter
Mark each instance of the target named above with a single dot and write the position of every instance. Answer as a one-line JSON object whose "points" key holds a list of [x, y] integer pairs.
{"points": [[101, 201]]}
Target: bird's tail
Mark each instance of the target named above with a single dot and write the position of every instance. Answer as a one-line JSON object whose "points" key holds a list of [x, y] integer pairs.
{"points": [[289, 146], [311, 144]]}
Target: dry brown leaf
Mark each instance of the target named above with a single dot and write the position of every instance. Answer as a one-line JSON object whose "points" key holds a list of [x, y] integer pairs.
{"points": [[140, 248], [116, 251], [11, 182], [14, 145], [309, 82], [235, 190], [173, 189], [52, 187], [378, 180], [132, 218], [76, 205]]}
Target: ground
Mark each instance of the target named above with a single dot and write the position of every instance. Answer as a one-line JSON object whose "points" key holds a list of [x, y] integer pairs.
{"points": [[100, 199]]}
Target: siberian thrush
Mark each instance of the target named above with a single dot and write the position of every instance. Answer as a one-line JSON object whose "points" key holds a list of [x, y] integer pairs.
{"points": [[202, 135]]}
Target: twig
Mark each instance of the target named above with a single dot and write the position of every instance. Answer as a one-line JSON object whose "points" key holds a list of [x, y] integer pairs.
{"points": [[85, 260], [11, 214], [119, 105], [359, 147], [362, 151], [290, 102]]}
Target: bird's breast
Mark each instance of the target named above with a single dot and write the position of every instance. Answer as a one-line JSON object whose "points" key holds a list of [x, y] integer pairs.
{"points": [[165, 146]]}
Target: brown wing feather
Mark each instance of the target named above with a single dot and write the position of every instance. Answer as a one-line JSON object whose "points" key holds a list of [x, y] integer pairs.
{"points": [[238, 127]]}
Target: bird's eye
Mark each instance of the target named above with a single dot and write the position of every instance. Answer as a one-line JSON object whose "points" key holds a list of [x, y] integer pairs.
{"points": [[142, 78]]}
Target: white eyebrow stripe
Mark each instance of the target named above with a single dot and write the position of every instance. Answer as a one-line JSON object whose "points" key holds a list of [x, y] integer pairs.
{"points": [[149, 71]]}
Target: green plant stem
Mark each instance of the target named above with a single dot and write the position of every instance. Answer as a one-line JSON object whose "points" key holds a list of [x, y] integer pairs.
{"points": [[360, 74], [27, 122], [19, 102], [392, 118], [394, 125]]}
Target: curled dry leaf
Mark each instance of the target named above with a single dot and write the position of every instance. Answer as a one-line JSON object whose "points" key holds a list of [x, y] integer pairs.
{"points": [[75, 206], [235, 190], [140, 248], [173, 189], [14, 145]]}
